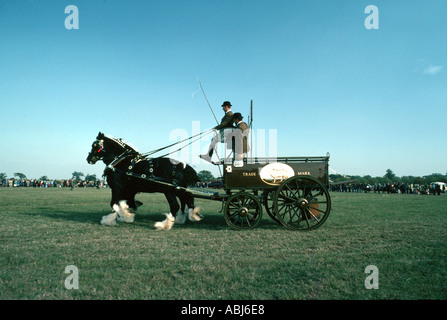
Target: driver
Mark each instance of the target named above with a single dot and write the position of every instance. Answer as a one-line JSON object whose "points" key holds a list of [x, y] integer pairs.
{"points": [[225, 123]]}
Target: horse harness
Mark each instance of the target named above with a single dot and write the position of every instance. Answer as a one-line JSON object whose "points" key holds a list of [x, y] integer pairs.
{"points": [[173, 182]]}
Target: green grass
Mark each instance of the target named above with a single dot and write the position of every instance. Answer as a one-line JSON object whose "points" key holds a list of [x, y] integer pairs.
{"points": [[44, 230]]}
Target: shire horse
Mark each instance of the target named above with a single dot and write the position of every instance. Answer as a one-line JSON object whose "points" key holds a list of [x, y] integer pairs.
{"points": [[129, 173]]}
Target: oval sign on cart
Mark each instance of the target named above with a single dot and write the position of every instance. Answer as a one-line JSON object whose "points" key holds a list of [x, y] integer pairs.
{"points": [[275, 173]]}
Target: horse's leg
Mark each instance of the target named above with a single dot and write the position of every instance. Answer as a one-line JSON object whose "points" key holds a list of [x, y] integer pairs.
{"points": [[183, 206], [170, 218], [115, 195], [110, 219], [131, 202], [120, 194], [188, 208], [124, 212], [181, 216], [193, 211]]}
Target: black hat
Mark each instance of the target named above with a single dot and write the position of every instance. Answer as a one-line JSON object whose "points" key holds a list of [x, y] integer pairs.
{"points": [[226, 103], [237, 115]]}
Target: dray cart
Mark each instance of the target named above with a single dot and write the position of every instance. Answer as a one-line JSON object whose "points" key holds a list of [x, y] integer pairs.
{"points": [[293, 191]]}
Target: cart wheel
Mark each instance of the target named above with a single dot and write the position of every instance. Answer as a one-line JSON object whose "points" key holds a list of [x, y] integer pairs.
{"points": [[269, 197], [302, 203], [242, 211]]}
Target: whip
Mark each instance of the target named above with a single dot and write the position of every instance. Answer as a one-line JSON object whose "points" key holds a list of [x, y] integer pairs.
{"points": [[207, 100]]}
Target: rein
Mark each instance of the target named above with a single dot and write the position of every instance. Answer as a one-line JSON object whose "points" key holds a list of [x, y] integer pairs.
{"points": [[137, 157], [206, 132]]}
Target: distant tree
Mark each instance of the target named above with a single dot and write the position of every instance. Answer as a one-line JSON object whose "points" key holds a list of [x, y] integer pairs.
{"points": [[90, 177], [20, 175], [435, 177], [44, 178], [389, 175], [380, 180], [363, 180], [2, 176], [407, 179], [368, 179], [77, 175], [337, 177], [205, 175], [419, 180]]}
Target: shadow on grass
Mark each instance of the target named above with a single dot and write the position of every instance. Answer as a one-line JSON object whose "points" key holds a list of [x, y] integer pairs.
{"points": [[210, 222], [217, 222], [74, 216]]}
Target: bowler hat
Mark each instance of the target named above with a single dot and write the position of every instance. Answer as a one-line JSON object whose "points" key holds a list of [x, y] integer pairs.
{"points": [[237, 115], [226, 103]]}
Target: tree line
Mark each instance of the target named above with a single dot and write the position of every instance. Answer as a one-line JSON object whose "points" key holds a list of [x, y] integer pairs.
{"points": [[391, 178]]}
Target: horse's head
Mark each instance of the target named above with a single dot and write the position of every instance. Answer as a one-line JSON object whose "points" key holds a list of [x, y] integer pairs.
{"points": [[107, 148], [98, 150]]}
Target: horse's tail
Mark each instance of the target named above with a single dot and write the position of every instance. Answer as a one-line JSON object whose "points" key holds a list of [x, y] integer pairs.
{"points": [[190, 175]]}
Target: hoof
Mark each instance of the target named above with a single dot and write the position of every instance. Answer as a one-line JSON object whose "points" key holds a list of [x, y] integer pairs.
{"points": [[180, 218], [165, 224], [127, 219], [194, 214], [124, 214], [109, 220]]}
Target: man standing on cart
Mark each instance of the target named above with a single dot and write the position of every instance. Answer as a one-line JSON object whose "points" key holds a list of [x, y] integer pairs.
{"points": [[225, 127]]}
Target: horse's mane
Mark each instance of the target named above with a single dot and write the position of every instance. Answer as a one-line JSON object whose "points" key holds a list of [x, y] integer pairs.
{"points": [[122, 143]]}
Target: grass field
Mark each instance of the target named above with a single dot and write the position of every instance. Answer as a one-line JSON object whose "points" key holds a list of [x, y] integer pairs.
{"points": [[42, 231]]}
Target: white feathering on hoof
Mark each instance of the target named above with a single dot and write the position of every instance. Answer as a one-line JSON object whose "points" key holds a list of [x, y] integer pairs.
{"points": [[123, 212], [180, 218], [194, 214], [166, 224], [109, 220], [116, 208]]}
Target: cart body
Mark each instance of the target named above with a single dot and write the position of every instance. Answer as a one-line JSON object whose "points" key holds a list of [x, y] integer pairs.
{"points": [[269, 173], [293, 191]]}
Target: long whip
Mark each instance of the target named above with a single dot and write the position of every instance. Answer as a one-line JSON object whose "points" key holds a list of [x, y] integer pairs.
{"points": [[217, 122], [203, 91]]}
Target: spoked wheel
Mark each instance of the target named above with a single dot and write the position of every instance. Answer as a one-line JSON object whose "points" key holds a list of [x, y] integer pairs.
{"points": [[242, 211], [302, 203], [269, 197]]}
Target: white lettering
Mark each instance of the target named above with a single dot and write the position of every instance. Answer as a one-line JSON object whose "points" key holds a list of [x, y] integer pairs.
{"points": [[372, 21], [372, 281], [72, 281], [72, 21], [198, 310]]}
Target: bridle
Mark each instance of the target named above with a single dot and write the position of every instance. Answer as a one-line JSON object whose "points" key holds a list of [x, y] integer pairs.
{"points": [[97, 155], [100, 143]]}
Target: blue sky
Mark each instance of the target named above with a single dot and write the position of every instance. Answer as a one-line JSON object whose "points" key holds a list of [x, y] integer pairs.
{"points": [[374, 99]]}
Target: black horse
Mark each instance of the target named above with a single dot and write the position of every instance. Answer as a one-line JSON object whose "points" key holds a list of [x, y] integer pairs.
{"points": [[129, 173]]}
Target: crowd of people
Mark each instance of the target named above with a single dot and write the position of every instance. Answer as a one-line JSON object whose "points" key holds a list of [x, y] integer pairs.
{"points": [[404, 188], [217, 184], [51, 183]]}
